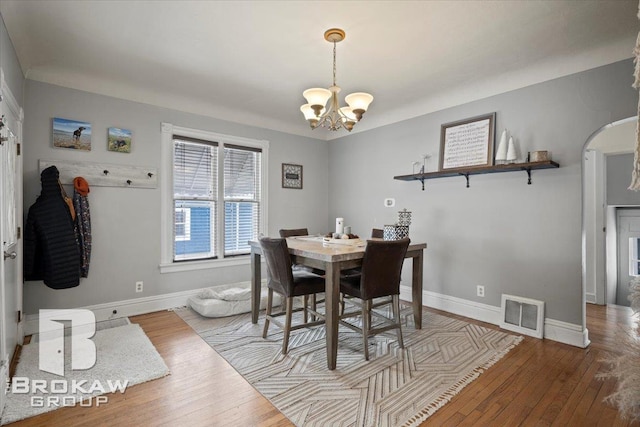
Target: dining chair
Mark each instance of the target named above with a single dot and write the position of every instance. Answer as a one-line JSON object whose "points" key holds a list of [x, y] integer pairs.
{"points": [[376, 233], [380, 280], [281, 278], [293, 232]]}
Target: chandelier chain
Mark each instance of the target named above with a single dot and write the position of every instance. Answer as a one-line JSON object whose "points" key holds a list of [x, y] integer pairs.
{"points": [[334, 63]]}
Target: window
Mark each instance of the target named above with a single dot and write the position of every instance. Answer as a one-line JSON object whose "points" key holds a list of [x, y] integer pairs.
{"points": [[214, 192]]}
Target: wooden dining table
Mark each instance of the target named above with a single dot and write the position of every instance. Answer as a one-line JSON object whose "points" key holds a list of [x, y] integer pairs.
{"points": [[333, 258]]}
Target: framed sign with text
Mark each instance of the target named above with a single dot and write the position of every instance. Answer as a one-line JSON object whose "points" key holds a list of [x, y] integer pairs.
{"points": [[291, 176], [467, 143]]}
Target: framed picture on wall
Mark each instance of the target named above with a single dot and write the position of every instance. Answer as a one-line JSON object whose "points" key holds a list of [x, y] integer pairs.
{"points": [[291, 176], [119, 140], [73, 134], [467, 143]]}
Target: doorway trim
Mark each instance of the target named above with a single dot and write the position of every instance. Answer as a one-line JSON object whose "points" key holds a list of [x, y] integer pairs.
{"points": [[586, 210]]}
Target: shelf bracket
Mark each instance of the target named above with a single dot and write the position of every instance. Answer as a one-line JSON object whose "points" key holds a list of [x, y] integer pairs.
{"points": [[422, 181], [466, 175], [528, 170]]}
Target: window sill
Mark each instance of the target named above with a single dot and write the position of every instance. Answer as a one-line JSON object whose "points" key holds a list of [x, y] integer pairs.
{"points": [[176, 267]]}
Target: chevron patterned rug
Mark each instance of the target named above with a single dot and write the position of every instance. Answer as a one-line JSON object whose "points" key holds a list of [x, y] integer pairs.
{"points": [[394, 388]]}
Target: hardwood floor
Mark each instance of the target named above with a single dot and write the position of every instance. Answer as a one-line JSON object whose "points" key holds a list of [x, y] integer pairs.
{"points": [[538, 383]]}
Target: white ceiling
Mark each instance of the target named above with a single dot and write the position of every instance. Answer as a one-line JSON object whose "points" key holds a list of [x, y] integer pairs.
{"points": [[249, 61]]}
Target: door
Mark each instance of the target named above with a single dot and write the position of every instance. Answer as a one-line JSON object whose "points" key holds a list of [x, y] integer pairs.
{"points": [[10, 230], [628, 252]]}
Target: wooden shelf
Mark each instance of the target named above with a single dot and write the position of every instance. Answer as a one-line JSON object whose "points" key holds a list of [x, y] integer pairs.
{"points": [[481, 170]]}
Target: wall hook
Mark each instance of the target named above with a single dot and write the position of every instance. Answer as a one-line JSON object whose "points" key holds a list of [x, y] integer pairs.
{"points": [[129, 182], [149, 174], [106, 172]]}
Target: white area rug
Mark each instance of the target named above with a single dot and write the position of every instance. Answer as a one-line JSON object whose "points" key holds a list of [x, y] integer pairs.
{"points": [[123, 353], [394, 388]]}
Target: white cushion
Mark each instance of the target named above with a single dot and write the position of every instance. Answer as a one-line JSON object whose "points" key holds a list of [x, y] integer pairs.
{"points": [[230, 294], [210, 307]]}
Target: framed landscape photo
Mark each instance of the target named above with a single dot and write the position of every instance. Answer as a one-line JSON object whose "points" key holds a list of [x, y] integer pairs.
{"points": [[291, 176], [119, 140], [71, 134], [467, 143]]}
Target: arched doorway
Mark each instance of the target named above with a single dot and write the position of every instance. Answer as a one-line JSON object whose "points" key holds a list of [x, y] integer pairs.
{"points": [[604, 196]]}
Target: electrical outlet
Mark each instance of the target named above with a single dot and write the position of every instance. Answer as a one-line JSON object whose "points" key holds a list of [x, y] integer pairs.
{"points": [[139, 286], [480, 290]]}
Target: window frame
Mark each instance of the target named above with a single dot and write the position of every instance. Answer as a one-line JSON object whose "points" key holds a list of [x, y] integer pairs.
{"points": [[167, 264], [186, 236]]}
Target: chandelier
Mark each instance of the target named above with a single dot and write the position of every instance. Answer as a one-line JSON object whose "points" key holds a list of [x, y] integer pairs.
{"points": [[334, 117]]}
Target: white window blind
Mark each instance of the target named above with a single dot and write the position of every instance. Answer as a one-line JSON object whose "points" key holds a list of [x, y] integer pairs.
{"points": [[242, 198], [195, 195]]}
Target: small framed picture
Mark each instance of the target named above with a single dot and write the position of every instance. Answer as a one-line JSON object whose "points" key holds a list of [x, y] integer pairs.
{"points": [[291, 176], [467, 143], [119, 140], [71, 134]]}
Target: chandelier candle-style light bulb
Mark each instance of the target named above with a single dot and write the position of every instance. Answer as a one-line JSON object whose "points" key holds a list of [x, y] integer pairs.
{"points": [[332, 116]]}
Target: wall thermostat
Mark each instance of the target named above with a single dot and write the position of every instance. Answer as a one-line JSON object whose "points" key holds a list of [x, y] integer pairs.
{"points": [[389, 203]]}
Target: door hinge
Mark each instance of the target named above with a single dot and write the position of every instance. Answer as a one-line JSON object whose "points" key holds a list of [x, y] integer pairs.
{"points": [[19, 316], [18, 149], [19, 232]]}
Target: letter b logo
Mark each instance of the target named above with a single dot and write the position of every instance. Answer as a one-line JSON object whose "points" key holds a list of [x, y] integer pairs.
{"points": [[52, 342]]}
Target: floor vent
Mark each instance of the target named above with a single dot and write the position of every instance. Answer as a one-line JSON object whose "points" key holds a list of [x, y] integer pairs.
{"points": [[523, 315]]}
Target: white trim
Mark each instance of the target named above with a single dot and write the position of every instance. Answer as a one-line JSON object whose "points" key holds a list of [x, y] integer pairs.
{"points": [[12, 103], [167, 264], [591, 297], [4, 378], [474, 310], [131, 307], [175, 267], [567, 333], [555, 330], [124, 308]]}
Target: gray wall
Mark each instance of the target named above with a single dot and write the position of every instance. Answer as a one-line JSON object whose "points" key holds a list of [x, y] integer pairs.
{"points": [[619, 167], [126, 221], [510, 237]]}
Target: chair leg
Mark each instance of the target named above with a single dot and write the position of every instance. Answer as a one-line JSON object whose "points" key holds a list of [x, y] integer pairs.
{"points": [[314, 307], [341, 303], [267, 313], [287, 325], [305, 302], [396, 318], [366, 325]]}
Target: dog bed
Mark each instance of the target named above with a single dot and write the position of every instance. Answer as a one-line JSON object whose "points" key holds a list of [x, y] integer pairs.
{"points": [[216, 302]]}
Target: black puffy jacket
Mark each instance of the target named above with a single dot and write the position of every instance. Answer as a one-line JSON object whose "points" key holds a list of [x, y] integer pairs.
{"points": [[51, 250]]}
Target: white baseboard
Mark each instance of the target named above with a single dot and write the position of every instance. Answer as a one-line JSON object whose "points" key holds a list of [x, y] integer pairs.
{"points": [[555, 330], [132, 307], [4, 378], [590, 298]]}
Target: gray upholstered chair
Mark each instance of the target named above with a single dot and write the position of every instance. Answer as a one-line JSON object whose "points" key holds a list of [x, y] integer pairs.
{"points": [[377, 233], [293, 232], [380, 279], [282, 279]]}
